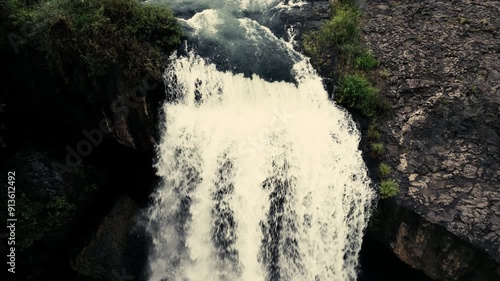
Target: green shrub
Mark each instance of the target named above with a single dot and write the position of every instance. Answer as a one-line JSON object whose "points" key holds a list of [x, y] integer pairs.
{"points": [[355, 92], [366, 61], [342, 30], [384, 170], [388, 188], [39, 219], [344, 27], [377, 148], [341, 36], [373, 132], [100, 37]]}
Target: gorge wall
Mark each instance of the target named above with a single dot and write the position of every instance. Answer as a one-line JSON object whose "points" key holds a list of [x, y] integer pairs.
{"points": [[443, 60]]}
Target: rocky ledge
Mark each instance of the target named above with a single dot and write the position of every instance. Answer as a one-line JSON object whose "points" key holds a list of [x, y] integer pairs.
{"points": [[442, 138]]}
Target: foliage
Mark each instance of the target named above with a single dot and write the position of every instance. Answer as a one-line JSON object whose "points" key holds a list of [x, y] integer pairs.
{"points": [[342, 30], [384, 170], [374, 132], [38, 218], [366, 61], [99, 37], [388, 188], [355, 70], [341, 37], [377, 148], [355, 92]]}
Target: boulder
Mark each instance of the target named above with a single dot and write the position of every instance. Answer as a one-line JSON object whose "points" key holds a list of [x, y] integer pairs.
{"points": [[114, 249]]}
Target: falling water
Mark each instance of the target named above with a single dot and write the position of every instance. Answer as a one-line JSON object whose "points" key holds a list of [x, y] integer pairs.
{"points": [[262, 177]]}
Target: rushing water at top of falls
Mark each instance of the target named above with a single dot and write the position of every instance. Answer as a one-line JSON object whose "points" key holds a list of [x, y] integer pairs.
{"points": [[261, 180]]}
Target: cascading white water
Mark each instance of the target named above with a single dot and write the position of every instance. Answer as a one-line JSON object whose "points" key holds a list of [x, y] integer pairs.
{"points": [[261, 180]]}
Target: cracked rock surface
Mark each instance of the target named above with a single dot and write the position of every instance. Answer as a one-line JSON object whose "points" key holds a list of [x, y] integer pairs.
{"points": [[443, 136]]}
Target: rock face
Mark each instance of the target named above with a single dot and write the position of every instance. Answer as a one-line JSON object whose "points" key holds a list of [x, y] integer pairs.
{"points": [[304, 18], [131, 111], [46, 206], [443, 136], [430, 247], [113, 247]]}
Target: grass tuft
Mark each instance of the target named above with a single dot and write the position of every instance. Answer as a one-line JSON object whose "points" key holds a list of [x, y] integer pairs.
{"points": [[366, 61], [374, 132], [384, 170], [377, 149], [388, 188]]}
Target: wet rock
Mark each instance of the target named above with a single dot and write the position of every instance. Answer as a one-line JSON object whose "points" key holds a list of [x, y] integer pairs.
{"points": [[304, 18]]}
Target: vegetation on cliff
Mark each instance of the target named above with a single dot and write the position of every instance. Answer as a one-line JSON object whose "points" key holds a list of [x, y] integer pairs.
{"points": [[338, 42], [62, 57], [40, 218], [355, 92], [95, 38], [338, 51], [388, 188]]}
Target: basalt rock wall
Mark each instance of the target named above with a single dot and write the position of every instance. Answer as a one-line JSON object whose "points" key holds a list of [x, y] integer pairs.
{"points": [[442, 138]]}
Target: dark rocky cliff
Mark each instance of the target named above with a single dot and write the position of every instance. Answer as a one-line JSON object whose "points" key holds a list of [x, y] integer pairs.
{"points": [[443, 136], [76, 144]]}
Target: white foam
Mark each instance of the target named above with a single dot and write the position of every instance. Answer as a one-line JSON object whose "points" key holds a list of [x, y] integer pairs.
{"points": [[259, 122]]}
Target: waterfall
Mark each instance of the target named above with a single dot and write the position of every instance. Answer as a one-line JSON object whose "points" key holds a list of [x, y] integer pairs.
{"points": [[262, 177]]}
